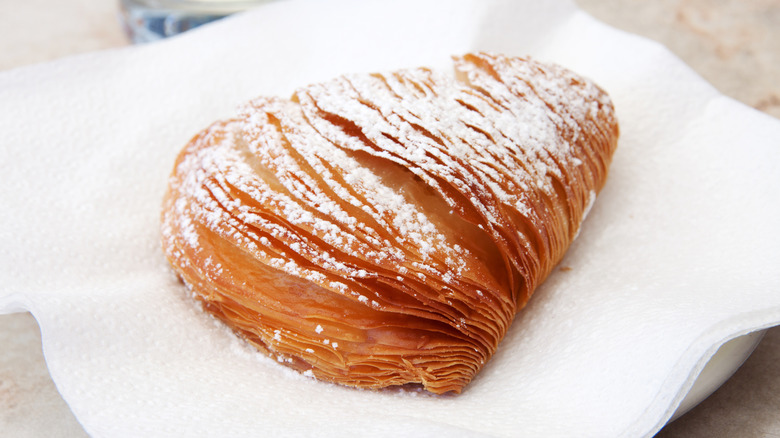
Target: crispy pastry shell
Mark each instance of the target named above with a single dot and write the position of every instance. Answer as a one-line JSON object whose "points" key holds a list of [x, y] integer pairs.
{"points": [[384, 229]]}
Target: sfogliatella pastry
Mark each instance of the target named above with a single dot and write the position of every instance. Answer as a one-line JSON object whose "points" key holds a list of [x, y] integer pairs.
{"points": [[384, 229]]}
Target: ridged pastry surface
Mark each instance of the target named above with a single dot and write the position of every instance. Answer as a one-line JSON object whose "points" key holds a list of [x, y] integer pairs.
{"points": [[384, 229]]}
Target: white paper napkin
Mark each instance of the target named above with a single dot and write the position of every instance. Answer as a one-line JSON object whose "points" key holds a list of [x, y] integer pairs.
{"points": [[679, 254]]}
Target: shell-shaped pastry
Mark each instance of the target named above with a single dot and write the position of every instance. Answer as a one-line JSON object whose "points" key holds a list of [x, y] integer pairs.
{"points": [[384, 229]]}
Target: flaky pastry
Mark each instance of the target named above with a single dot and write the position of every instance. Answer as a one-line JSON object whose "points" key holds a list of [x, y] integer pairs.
{"points": [[384, 229]]}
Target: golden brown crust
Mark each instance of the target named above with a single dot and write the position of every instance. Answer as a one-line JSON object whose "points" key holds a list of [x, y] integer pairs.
{"points": [[384, 229]]}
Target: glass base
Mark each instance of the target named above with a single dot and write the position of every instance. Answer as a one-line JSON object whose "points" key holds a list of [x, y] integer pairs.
{"points": [[151, 20]]}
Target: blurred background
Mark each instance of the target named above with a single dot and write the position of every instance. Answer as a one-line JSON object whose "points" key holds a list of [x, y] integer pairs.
{"points": [[733, 44]]}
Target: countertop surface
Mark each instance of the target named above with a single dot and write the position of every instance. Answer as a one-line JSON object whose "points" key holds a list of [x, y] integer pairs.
{"points": [[733, 44]]}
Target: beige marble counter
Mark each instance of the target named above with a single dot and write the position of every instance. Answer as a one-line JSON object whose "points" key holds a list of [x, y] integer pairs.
{"points": [[733, 44]]}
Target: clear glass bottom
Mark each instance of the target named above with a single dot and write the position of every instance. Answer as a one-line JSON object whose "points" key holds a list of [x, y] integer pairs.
{"points": [[150, 20]]}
